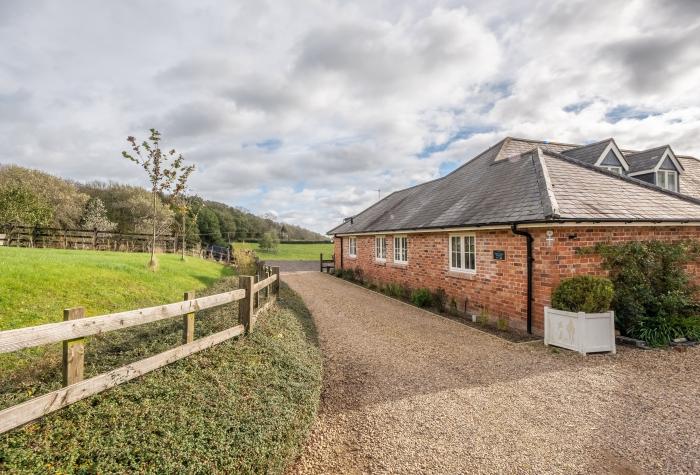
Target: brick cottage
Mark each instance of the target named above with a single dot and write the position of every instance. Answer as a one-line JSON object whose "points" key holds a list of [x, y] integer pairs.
{"points": [[471, 232]]}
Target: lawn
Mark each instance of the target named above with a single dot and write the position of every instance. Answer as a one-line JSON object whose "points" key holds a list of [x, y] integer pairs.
{"points": [[244, 406], [37, 284], [291, 252]]}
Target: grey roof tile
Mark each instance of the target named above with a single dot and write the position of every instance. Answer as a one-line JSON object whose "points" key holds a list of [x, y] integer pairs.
{"points": [[588, 153], [645, 160], [520, 180]]}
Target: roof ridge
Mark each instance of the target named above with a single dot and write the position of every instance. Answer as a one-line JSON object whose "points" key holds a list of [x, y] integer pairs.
{"points": [[550, 207], [650, 149], [609, 139], [542, 141], [628, 179]]}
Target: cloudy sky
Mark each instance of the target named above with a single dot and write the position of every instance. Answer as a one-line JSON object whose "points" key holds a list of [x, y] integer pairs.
{"points": [[306, 109]]}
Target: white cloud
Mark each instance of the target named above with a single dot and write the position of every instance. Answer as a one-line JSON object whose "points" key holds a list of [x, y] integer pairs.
{"points": [[304, 110]]}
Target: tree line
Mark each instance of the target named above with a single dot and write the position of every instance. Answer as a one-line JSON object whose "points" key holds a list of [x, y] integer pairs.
{"points": [[35, 198]]}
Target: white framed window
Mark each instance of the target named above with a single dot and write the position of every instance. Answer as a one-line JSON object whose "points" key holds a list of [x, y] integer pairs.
{"points": [[352, 247], [613, 169], [667, 179], [401, 249], [463, 253], [380, 248]]}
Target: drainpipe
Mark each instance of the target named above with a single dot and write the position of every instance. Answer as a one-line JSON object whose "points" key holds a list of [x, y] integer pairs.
{"points": [[530, 260]]}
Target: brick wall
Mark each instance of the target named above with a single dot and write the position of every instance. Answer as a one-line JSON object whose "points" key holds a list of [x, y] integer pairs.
{"points": [[500, 287]]}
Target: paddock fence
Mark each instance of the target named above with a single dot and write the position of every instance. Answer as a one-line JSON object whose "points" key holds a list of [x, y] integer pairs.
{"points": [[72, 332]]}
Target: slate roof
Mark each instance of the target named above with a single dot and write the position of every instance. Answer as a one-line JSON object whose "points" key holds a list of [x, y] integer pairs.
{"points": [[517, 181], [690, 183], [588, 153], [646, 160]]}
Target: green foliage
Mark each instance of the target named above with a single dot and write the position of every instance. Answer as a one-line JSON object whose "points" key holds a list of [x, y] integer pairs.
{"points": [[359, 275], [397, 290], [95, 216], [208, 224], [19, 205], [269, 242], [454, 309], [65, 202], [660, 331], [245, 261], [483, 318], [650, 282], [37, 284], [244, 406], [502, 324], [439, 299], [583, 293], [421, 297]]}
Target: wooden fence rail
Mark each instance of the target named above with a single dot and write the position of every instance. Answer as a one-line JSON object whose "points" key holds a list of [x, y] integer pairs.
{"points": [[74, 329]]}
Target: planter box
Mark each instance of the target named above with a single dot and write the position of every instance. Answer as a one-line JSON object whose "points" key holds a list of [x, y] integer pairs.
{"points": [[579, 331]]}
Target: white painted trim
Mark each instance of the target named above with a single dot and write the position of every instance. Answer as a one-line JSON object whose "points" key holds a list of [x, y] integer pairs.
{"points": [[667, 153], [386, 248], [350, 239], [461, 270], [613, 146], [393, 249]]}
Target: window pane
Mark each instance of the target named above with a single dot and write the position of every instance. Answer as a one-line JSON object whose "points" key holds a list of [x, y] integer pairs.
{"points": [[672, 181], [661, 179], [471, 254], [456, 252]]}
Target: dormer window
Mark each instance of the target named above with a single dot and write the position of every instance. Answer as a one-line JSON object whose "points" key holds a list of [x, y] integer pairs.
{"points": [[617, 170], [667, 179]]}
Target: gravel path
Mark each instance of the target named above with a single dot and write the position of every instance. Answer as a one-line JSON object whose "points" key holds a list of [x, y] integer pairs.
{"points": [[409, 392]]}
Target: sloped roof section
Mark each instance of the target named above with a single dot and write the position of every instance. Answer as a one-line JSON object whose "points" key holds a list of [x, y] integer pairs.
{"points": [[588, 153], [690, 183], [588, 193], [518, 181], [646, 160]]}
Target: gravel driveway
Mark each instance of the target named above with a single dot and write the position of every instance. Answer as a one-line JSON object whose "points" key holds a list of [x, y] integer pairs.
{"points": [[409, 392]]}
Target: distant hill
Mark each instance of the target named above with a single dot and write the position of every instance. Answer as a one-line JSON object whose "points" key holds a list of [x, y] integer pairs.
{"points": [[33, 197]]}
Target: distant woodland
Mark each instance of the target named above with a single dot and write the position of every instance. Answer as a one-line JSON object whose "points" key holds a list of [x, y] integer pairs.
{"points": [[35, 198]]}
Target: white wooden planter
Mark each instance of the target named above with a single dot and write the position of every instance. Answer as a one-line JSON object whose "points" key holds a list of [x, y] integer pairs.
{"points": [[582, 332]]}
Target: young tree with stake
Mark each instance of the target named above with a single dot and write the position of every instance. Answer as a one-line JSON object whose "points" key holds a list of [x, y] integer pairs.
{"points": [[165, 171]]}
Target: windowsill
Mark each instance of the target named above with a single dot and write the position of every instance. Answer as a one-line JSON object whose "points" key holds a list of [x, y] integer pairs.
{"points": [[461, 274], [400, 265], [380, 262], [352, 257]]}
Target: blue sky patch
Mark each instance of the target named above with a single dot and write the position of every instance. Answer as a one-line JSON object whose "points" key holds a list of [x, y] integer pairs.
{"points": [[576, 107], [269, 145], [622, 112], [463, 133]]}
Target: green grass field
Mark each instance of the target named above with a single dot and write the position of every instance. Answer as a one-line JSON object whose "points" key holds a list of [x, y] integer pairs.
{"points": [[37, 284], [291, 252]]}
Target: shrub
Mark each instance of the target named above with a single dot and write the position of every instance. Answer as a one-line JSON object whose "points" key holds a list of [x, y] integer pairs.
{"points": [[650, 281], [583, 293], [502, 324], [440, 299], [359, 275], [395, 290], [483, 318], [454, 310], [269, 242], [660, 331], [421, 297], [245, 261]]}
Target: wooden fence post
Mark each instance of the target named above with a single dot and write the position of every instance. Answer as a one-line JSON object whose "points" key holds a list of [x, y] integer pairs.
{"points": [[276, 285], [256, 295], [245, 306], [188, 321], [320, 263], [73, 351]]}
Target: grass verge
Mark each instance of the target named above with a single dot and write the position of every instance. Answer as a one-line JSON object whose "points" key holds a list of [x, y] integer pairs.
{"points": [[37, 284], [244, 406], [291, 252]]}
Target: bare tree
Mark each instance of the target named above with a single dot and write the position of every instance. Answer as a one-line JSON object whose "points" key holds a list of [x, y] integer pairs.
{"points": [[165, 171]]}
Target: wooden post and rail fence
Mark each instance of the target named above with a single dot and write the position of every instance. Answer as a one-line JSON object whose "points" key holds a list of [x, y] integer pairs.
{"points": [[76, 327]]}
